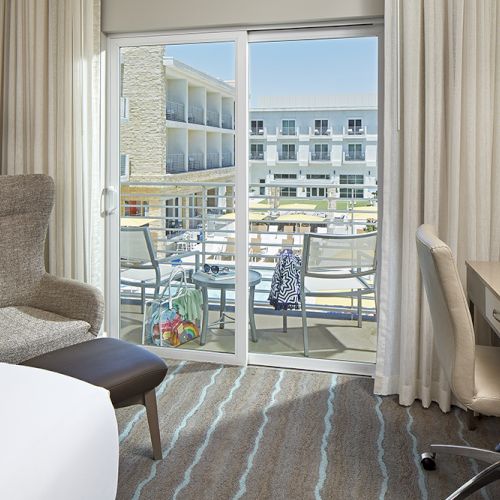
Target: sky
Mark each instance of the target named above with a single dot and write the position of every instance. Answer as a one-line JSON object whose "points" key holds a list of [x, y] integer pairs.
{"points": [[319, 67]]}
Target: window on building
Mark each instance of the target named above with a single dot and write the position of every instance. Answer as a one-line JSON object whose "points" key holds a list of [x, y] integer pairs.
{"points": [[288, 127], [321, 127], [257, 127], [134, 208], [324, 177], [124, 167], [316, 191], [351, 179], [320, 152], [262, 189], [354, 126], [256, 151], [355, 152], [286, 190], [288, 152]]}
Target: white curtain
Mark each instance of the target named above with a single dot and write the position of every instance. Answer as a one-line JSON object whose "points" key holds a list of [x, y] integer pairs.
{"points": [[441, 166], [50, 109]]}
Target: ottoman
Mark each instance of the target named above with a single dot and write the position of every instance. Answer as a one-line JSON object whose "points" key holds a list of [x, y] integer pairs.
{"points": [[129, 372]]}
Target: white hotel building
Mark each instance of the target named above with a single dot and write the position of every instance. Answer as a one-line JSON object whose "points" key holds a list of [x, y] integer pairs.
{"points": [[322, 139]]}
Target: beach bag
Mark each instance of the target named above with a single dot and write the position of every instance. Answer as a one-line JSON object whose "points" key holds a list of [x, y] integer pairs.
{"points": [[163, 326]]}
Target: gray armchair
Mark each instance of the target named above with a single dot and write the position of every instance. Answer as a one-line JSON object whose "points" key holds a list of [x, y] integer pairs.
{"points": [[38, 311]]}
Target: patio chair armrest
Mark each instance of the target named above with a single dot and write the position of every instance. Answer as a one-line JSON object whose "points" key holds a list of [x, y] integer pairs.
{"points": [[71, 299]]}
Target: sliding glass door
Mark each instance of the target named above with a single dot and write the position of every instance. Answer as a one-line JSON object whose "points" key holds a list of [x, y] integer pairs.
{"points": [[177, 108]]}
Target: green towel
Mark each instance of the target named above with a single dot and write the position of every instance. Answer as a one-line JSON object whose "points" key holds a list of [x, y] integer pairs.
{"points": [[189, 305]]}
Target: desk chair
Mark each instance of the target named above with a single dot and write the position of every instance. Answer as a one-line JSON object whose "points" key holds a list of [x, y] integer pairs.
{"points": [[472, 371]]}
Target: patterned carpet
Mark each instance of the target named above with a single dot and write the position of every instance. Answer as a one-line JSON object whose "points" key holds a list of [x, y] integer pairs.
{"points": [[259, 433]]}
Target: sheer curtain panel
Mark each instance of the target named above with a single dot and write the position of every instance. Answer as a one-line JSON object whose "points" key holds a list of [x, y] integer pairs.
{"points": [[441, 166], [50, 107]]}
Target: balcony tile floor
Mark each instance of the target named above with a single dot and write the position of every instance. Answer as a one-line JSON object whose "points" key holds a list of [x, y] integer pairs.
{"points": [[328, 339]]}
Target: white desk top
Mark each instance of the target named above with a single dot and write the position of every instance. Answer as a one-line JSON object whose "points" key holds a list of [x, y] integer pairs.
{"points": [[488, 273]]}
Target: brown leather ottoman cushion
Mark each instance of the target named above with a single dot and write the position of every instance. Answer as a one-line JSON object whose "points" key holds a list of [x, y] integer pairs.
{"points": [[126, 370]]}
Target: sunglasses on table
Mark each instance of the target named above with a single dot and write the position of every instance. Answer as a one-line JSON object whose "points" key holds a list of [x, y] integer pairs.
{"points": [[215, 269]]}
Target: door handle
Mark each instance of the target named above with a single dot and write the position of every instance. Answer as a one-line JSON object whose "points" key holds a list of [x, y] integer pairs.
{"points": [[109, 198]]}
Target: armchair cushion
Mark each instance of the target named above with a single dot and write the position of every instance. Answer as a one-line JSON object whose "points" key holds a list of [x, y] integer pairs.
{"points": [[28, 332]]}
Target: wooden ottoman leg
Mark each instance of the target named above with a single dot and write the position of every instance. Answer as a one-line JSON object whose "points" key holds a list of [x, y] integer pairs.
{"points": [[154, 428]]}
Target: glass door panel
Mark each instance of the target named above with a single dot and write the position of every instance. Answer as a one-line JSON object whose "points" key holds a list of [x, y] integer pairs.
{"points": [[328, 192], [177, 195]]}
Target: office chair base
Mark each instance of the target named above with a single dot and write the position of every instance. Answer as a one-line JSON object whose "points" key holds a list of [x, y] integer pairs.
{"points": [[486, 456], [485, 477]]}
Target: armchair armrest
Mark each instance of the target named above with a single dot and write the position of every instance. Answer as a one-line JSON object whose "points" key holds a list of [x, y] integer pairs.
{"points": [[71, 299]]}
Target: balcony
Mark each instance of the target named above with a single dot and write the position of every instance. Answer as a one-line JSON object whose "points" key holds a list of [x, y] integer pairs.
{"points": [[198, 227], [227, 159], [321, 131], [212, 118], [255, 131], [354, 156], [227, 121], [195, 162], [287, 156], [320, 156], [288, 131], [175, 111], [175, 163], [257, 155], [213, 160], [354, 131], [195, 115]]}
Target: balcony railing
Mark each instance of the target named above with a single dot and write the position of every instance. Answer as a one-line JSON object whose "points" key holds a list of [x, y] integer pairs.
{"points": [[287, 155], [321, 131], [320, 156], [197, 227], [195, 161], [358, 130], [227, 159], [289, 131], [212, 118], [213, 160], [195, 114], [175, 163], [257, 131], [354, 156], [175, 111], [256, 155], [227, 121]]}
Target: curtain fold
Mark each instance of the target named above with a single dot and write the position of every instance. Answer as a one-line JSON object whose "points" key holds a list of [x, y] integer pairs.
{"points": [[441, 167], [49, 99]]}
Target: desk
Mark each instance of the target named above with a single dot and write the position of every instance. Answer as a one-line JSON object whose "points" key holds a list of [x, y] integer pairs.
{"points": [[203, 281], [483, 290]]}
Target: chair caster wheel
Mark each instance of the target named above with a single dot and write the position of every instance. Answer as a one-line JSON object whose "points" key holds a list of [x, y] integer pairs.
{"points": [[497, 448], [428, 461]]}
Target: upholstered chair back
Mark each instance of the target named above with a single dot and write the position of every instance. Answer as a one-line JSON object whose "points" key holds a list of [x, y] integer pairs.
{"points": [[453, 330], [26, 202]]}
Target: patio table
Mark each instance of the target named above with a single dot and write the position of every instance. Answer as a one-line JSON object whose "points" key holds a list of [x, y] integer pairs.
{"points": [[204, 281]]}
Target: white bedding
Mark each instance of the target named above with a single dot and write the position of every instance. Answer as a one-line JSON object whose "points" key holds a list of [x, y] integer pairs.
{"points": [[58, 437]]}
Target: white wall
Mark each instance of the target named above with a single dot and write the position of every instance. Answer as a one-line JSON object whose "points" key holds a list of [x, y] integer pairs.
{"points": [[157, 15]]}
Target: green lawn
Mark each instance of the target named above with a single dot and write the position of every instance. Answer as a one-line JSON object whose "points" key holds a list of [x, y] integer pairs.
{"points": [[318, 205]]}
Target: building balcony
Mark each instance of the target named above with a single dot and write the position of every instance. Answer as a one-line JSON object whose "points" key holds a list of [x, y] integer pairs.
{"points": [[175, 111], [175, 163], [258, 132], [195, 115], [195, 162], [213, 160], [287, 156], [257, 156], [288, 131], [320, 156], [213, 119], [321, 131], [357, 156], [227, 121], [227, 159], [354, 131]]}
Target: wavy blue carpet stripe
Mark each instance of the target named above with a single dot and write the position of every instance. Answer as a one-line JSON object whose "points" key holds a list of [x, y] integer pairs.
{"points": [[323, 465], [159, 392], [380, 448], [176, 434], [243, 480], [416, 457], [202, 448], [473, 463]]}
